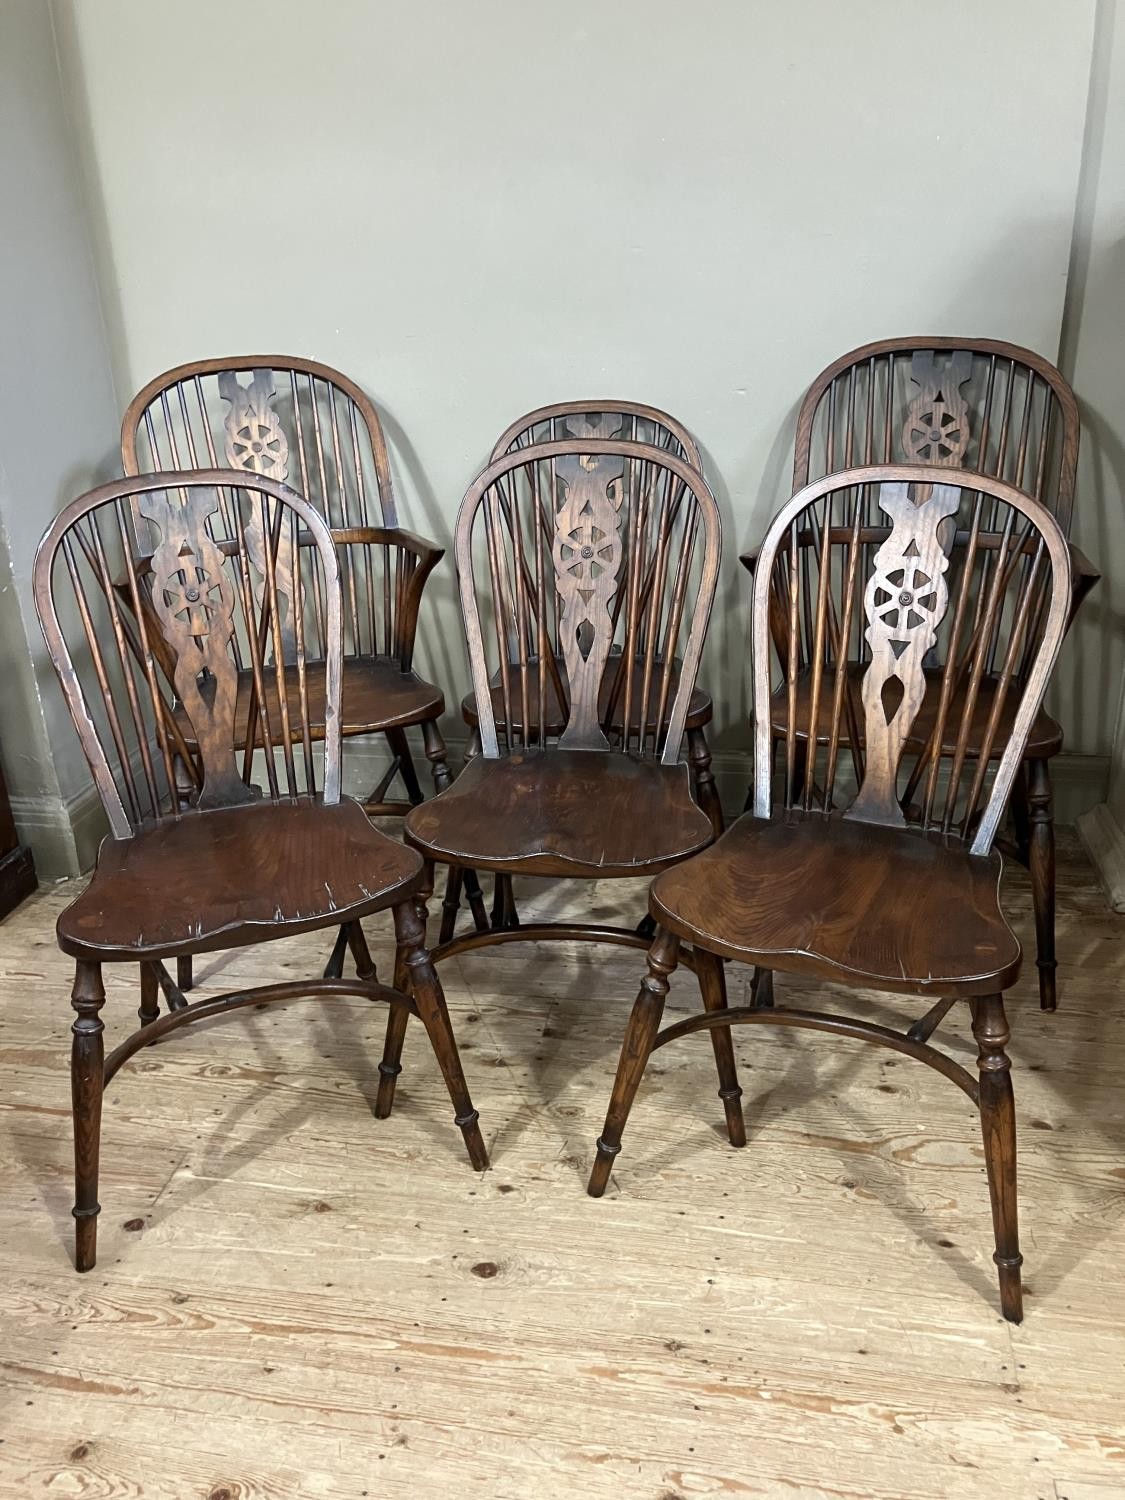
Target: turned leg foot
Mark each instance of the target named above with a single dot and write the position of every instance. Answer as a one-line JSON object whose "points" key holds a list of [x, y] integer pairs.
{"points": [[998, 1128], [640, 1033]]}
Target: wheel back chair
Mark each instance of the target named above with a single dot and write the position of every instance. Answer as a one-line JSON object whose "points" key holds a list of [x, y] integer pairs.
{"points": [[240, 577], [574, 419], [867, 869], [598, 557], [993, 408], [293, 419]]}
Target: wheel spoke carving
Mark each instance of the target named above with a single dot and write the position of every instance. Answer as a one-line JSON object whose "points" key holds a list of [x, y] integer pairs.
{"points": [[587, 558], [256, 442], [904, 603]]}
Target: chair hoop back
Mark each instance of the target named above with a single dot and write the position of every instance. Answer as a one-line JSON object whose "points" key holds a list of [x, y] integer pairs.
{"points": [[190, 598], [626, 419], [962, 598], [981, 404], [602, 561]]}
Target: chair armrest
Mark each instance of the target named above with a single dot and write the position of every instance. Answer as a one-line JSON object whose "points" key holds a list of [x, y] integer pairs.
{"points": [[1083, 577], [407, 600]]}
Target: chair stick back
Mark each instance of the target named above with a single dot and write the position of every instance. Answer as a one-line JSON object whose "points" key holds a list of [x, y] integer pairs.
{"points": [[165, 615], [966, 571], [588, 555]]}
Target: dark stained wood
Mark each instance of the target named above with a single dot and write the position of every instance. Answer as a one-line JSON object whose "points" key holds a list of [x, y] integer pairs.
{"points": [[304, 423], [980, 404], [564, 813], [217, 860], [848, 900], [637, 423], [889, 881], [589, 552]]}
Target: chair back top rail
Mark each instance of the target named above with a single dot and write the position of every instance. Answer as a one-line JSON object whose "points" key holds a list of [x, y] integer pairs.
{"points": [[995, 607], [612, 419]]}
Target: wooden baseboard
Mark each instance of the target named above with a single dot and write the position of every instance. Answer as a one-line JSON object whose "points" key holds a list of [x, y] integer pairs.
{"points": [[17, 878], [1104, 841]]}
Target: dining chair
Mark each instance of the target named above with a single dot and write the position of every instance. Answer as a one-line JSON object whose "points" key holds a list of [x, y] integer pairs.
{"points": [[236, 566], [298, 421], [852, 868], [994, 408], [565, 550], [638, 423]]}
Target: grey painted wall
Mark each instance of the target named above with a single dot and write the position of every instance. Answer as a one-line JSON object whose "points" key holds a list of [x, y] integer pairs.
{"points": [[477, 208], [58, 422]]}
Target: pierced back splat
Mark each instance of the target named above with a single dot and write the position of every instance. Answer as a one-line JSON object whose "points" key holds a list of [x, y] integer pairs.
{"points": [[936, 430], [256, 442], [193, 599], [905, 601], [587, 556]]}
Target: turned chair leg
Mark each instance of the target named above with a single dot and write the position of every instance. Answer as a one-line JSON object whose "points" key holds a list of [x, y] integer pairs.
{"points": [[505, 917], [761, 995], [435, 754], [391, 1065], [400, 747], [713, 987], [87, 1059], [184, 977], [640, 1033], [706, 792], [451, 903], [998, 1127], [361, 953], [1041, 863], [150, 996], [422, 983]]}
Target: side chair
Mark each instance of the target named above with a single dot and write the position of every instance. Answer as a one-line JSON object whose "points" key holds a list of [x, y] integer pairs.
{"points": [[638, 423], [994, 408], [225, 862], [599, 556], [836, 873]]}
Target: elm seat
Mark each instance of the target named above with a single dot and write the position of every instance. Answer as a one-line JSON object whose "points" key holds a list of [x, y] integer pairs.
{"points": [[533, 808], [377, 695], [700, 710], [297, 861], [889, 908], [1044, 741]]}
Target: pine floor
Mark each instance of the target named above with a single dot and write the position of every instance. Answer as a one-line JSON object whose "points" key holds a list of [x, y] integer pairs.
{"points": [[296, 1300]]}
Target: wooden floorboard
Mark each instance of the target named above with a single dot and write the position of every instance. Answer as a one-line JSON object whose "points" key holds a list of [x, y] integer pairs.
{"points": [[293, 1299]]}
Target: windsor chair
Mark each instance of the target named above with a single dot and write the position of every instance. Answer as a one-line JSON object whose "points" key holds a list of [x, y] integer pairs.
{"points": [[608, 419], [830, 878], [295, 420], [577, 546], [991, 407], [235, 566]]}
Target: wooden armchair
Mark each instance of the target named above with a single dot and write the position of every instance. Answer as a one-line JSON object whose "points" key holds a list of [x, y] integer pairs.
{"points": [[860, 868], [236, 566], [298, 421], [955, 403]]}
